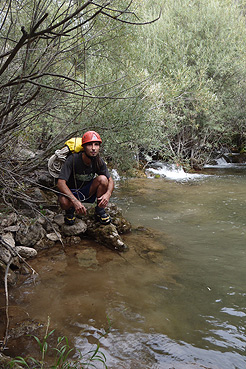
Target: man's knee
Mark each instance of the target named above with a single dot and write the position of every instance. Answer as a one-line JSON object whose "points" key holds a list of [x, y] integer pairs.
{"points": [[102, 180]]}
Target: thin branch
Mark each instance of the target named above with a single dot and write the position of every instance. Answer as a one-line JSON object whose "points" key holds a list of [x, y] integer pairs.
{"points": [[5, 340], [4, 113], [14, 253], [132, 23], [79, 94], [62, 22], [15, 50], [6, 14]]}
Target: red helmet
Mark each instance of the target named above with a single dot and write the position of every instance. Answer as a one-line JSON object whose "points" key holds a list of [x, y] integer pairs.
{"points": [[91, 136]]}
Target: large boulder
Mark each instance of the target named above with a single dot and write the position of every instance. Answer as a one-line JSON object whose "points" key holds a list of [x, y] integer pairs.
{"points": [[29, 235], [108, 235], [122, 225]]}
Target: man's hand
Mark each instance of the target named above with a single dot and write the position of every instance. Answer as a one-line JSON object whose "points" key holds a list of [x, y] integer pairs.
{"points": [[79, 207], [102, 201], [69, 199]]}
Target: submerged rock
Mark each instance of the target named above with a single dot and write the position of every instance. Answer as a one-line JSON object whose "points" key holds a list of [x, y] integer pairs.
{"points": [[25, 327], [87, 258]]}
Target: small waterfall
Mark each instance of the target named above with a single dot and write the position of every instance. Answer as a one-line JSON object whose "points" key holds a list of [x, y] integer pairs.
{"points": [[170, 171], [115, 175], [221, 162]]}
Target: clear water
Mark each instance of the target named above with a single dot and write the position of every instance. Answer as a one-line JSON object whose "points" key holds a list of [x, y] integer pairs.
{"points": [[176, 299]]}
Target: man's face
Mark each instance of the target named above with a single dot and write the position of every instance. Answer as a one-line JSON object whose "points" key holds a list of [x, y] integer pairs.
{"points": [[92, 148]]}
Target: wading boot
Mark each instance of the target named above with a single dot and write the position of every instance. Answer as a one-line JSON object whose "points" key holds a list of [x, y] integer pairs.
{"points": [[69, 217], [101, 216]]}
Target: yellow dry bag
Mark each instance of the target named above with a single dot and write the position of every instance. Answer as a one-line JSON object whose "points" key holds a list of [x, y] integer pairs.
{"points": [[74, 144]]}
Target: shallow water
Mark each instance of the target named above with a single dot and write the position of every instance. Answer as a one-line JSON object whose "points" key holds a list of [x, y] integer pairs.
{"points": [[176, 299]]}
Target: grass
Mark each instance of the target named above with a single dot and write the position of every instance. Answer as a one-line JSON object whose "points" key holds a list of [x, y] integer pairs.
{"points": [[62, 356]]}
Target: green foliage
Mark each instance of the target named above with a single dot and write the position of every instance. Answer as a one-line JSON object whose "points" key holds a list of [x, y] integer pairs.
{"points": [[197, 53], [182, 83], [62, 357], [174, 87]]}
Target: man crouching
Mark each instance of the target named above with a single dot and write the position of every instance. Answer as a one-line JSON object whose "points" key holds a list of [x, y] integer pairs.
{"points": [[84, 177]]}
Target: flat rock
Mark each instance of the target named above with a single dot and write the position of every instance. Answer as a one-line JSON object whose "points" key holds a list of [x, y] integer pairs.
{"points": [[26, 252], [54, 236], [59, 219], [9, 239], [79, 227]]}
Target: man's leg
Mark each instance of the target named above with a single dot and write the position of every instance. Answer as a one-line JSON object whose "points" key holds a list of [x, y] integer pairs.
{"points": [[99, 187], [67, 205]]}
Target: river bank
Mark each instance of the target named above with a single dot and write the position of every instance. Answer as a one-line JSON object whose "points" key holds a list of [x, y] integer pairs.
{"points": [[104, 240], [175, 298], [27, 232]]}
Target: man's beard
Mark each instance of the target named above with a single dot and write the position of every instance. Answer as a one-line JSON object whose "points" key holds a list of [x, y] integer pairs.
{"points": [[91, 157]]}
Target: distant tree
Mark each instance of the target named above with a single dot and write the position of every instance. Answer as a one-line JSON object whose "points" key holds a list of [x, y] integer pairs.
{"points": [[195, 58]]}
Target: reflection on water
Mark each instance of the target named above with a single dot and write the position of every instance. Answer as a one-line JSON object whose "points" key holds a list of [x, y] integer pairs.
{"points": [[176, 299]]}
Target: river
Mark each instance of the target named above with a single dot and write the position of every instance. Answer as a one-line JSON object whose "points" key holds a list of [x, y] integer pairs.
{"points": [[176, 299]]}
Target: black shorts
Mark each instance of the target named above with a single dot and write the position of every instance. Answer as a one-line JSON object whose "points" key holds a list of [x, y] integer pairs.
{"points": [[83, 193]]}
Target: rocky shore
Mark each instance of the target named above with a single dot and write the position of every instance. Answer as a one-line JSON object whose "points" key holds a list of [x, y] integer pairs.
{"points": [[24, 233], [23, 238]]}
